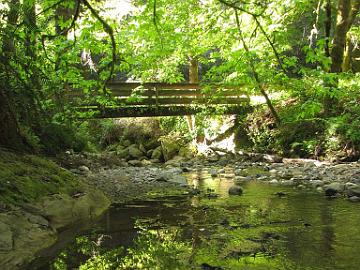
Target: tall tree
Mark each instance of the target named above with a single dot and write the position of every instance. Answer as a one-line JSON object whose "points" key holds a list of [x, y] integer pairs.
{"points": [[346, 13]]}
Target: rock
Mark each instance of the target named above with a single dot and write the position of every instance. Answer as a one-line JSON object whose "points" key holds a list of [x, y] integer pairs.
{"points": [[146, 162], [134, 151], [135, 163], [186, 169], [333, 189], [124, 153], [170, 148], [175, 161], [6, 237], [354, 199], [319, 189], [272, 158], [157, 153], [83, 169], [287, 182], [353, 191], [235, 190], [316, 183], [213, 172], [242, 178], [221, 171]]}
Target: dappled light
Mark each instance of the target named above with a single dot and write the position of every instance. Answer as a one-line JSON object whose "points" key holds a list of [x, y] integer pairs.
{"points": [[191, 134]]}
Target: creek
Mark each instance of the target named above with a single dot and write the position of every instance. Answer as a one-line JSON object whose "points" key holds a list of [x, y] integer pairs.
{"points": [[268, 227]]}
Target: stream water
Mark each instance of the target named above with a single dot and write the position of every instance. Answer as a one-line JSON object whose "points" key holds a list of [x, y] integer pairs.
{"points": [[268, 227]]}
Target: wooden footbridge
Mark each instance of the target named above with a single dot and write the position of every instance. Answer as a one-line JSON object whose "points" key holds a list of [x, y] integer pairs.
{"points": [[159, 99]]}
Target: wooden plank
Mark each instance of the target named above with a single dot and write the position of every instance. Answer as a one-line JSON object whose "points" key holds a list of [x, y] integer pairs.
{"points": [[177, 101], [163, 111], [160, 86], [177, 92]]}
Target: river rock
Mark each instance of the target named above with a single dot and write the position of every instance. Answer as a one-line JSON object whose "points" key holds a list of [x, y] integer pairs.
{"points": [[84, 169], [170, 148], [213, 173], [157, 153], [333, 189], [353, 190], [135, 163], [6, 237], [134, 151], [272, 158], [175, 161], [274, 182], [316, 183], [354, 199], [123, 153], [235, 190]]}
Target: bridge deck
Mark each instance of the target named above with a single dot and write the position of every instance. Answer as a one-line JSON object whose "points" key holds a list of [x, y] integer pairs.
{"points": [[158, 99]]}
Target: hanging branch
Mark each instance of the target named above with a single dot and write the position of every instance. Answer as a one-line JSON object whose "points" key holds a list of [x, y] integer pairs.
{"points": [[255, 74], [156, 24], [108, 29], [64, 31], [271, 44], [234, 6], [255, 17]]}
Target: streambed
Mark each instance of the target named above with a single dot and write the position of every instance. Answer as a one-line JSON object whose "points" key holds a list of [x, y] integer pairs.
{"points": [[268, 227]]}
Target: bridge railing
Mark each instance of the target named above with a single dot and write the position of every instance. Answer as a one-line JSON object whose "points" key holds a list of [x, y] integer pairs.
{"points": [[166, 99]]}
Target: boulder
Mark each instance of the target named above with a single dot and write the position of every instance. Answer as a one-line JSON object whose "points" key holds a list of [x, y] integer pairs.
{"points": [[235, 190], [170, 148], [124, 153], [157, 153], [134, 151], [333, 189]]}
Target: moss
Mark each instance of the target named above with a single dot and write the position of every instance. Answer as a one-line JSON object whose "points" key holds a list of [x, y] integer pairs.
{"points": [[26, 178]]}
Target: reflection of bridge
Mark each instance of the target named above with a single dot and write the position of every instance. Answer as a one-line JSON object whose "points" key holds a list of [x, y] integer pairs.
{"points": [[159, 99]]}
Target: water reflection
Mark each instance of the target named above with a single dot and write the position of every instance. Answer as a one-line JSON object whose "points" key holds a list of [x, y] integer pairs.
{"points": [[258, 230]]}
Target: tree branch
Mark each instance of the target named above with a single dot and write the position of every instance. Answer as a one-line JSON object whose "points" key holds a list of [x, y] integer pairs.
{"points": [[108, 29]]}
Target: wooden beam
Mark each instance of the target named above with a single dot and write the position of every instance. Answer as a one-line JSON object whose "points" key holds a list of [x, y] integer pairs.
{"points": [[118, 112]]}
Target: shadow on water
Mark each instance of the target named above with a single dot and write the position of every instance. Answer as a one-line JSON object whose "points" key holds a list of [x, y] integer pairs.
{"points": [[269, 227]]}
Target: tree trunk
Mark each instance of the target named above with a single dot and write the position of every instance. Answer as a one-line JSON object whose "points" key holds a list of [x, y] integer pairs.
{"points": [[347, 11], [9, 130], [10, 135], [327, 27], [193, 78]]}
